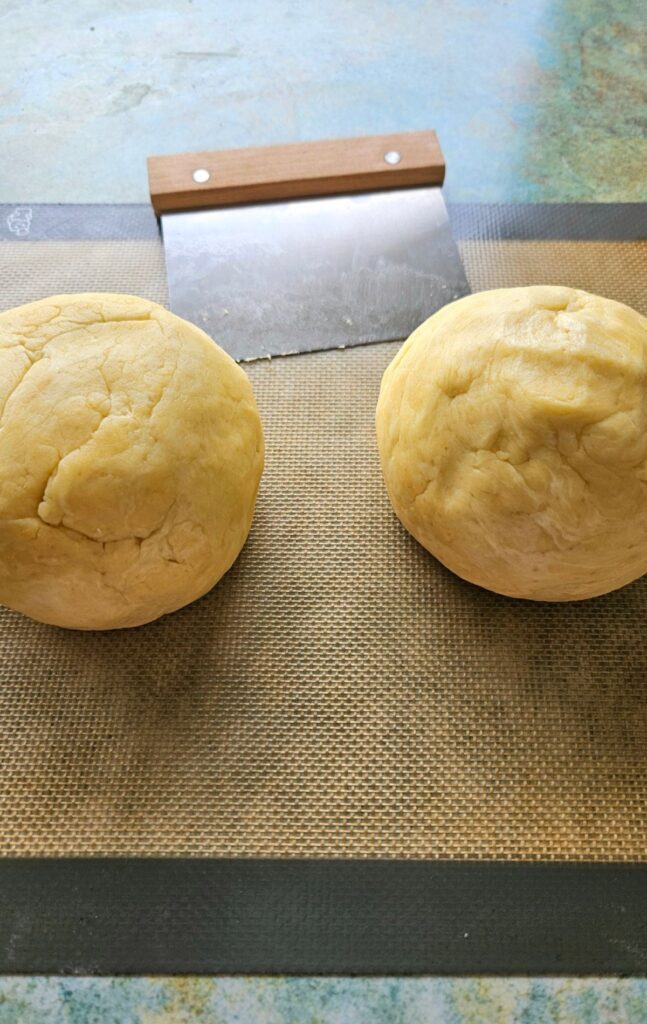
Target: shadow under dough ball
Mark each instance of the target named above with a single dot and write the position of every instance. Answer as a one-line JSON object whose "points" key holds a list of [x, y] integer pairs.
{"points": [[512, 428], [131, 451]]}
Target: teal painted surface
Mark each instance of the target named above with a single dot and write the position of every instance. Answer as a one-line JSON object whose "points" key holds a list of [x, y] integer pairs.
{"points": [[541, 100], [322, 1001], [535, 100]]}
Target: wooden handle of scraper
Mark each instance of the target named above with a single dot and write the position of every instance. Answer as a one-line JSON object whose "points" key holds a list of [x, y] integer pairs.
{"points": [[229, 176]]}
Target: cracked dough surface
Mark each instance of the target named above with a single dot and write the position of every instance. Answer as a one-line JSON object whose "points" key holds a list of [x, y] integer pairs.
{"points": [[131, 451], [512, 428]]}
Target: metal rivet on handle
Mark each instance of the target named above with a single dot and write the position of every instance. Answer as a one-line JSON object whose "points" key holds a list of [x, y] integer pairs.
{"points": [[392, 157], [201, 175]]}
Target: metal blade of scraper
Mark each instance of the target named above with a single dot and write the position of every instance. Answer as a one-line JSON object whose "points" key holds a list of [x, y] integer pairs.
{"points": [[306, 274], [311, 274]]}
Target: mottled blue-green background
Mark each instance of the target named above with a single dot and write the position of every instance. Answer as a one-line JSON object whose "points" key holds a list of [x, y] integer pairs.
{"points": [[534, 100], [322, 1001]]}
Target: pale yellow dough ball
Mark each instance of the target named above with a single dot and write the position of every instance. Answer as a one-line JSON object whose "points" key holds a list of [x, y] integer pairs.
{"points": [[512, 428], [130, 456]]}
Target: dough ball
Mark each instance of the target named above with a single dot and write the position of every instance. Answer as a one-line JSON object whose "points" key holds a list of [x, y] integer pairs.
{"points": [[130, 455], [512, 428]]}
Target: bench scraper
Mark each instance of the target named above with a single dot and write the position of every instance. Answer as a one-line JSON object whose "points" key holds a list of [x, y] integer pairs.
{"points": [[309, 246]]}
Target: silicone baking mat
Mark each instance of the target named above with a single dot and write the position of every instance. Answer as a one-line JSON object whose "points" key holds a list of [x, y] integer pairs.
{"points": [[339, 694]]}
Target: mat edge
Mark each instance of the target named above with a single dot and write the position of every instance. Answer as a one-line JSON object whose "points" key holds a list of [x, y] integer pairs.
{"points": [[107, 916]]}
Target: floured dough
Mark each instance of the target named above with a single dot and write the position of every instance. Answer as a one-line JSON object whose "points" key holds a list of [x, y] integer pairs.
{"points": [[512, 428], [130, 456]]}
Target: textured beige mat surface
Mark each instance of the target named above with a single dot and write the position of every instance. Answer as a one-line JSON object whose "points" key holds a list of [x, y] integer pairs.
{"points": [[339, 693]]}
